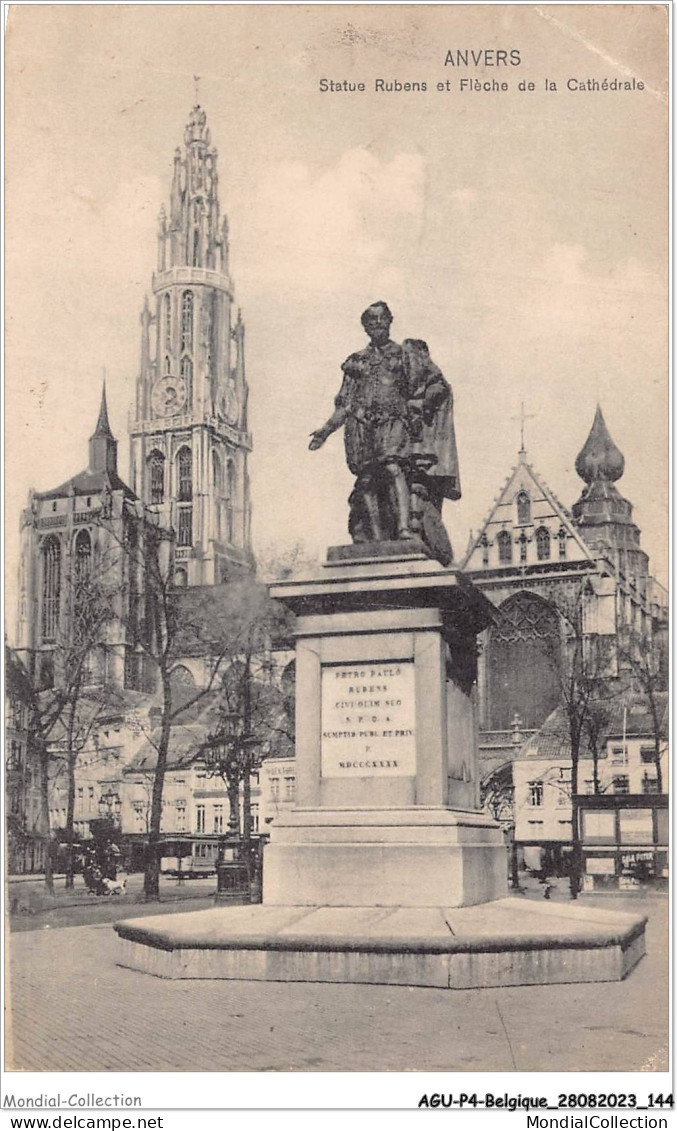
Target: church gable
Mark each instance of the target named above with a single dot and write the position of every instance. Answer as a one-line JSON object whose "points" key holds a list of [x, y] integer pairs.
{"points": [[526, 526]]}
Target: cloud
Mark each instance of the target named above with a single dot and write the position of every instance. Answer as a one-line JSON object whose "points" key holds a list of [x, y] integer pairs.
{"points": [[329, 229]]}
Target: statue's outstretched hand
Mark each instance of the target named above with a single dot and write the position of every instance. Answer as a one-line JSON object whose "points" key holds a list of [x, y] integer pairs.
{"points": [[316, 440]]}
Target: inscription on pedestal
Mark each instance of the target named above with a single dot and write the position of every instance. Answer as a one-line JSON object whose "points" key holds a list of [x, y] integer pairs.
{"points": [[368, 714]]}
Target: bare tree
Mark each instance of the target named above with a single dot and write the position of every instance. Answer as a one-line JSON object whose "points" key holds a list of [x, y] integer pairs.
{"points": [[583, 661], [165, 624], [252, 711], [639, 656], [63, 708]]}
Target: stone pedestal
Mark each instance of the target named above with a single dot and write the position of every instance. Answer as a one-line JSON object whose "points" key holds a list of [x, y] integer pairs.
{"points": [[386, 871], [386, 760]]}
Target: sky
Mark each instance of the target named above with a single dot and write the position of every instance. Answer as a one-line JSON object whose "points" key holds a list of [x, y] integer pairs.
{"points": [[521, 233]]}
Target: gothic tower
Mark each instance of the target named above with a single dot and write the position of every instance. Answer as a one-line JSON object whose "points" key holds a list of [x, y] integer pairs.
{"points": [[189, 438], [601, 514]]}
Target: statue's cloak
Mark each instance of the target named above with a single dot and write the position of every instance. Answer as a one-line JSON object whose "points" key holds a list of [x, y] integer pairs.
{"points": [[438, 438]]}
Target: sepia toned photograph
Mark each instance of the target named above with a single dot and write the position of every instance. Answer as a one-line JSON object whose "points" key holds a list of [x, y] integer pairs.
{"points": [[336, 545]]}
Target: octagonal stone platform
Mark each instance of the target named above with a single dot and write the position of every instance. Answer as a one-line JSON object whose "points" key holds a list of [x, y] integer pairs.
{"points": [[508, 942]]}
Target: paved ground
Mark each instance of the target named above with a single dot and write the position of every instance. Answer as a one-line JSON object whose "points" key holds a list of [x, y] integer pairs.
{"points": [[31, 907], [73, 1009]]}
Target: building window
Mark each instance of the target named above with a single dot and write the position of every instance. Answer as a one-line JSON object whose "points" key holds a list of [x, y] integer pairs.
{"points": [[168, 366], [180, 816], [562, 539], [542, 544], [649, 784], [523, 546], [619, 755], [636, 826], [200, 818], [51, 587], [184, 462], [484, 543], [218, 818], [523, 509], [187, 322], [504, 542], [275, 788], [255, 818], [185, 531], [536, 793], [289, 789], [156, 463], [621, 783], [647, 755]]}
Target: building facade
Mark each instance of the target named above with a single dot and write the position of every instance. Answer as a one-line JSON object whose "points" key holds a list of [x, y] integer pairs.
{"points": [[621, 804], [88, 529], [539, 562]]}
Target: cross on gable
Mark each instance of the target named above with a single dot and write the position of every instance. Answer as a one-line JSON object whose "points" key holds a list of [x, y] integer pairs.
{"points": [[523, 416]]}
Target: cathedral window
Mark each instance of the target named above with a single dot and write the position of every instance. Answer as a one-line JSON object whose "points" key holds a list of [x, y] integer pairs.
{"points": [[168, 321], [523, 663], [218, 491], [185, 531], [523, 508], [51, 587], [83, 557], [195, 258], [231, 488], [187, 321], [133, 673], [157, 477], [542, 544], [484, 543], [504, 543], [187, 372], [184, 462], [216, 472], [523, 546]]}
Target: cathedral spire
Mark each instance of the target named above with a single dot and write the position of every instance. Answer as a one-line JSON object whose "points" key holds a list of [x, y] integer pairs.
{"points": [[599, 458], [189, 439], [103, 448]]}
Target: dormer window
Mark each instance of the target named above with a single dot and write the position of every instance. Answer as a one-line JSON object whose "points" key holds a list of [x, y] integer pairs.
{"points": [[523, 509]]}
